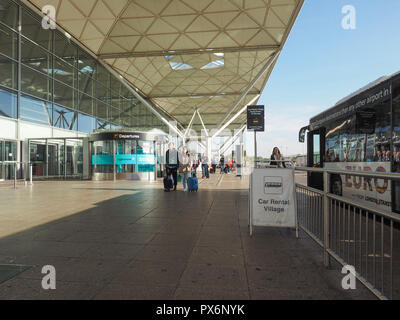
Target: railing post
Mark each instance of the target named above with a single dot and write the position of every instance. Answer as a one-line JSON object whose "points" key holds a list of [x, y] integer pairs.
{"points": [[15, 175], [31, 173], [326, 220], [25, 169]]}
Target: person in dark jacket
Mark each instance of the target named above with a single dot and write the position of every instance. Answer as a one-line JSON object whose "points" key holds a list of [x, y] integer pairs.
{"points": [[276, 155], [222, 163], [172, 163]]}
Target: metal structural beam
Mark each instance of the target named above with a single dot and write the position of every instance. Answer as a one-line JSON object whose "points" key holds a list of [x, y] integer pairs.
{"points": [[234, 117], [249, 87], [202, 123], [240, 129], [163, 53], [234, 138], [190, 123], [200, 95]]}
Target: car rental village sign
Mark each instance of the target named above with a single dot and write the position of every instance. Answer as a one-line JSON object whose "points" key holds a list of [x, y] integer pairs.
{"points": [[272, 198]]}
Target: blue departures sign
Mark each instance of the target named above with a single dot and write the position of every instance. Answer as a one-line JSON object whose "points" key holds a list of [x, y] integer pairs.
{"points": [[124, 159]]}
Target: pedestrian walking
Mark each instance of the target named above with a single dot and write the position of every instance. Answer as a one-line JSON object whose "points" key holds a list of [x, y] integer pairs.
{"points": [[185, 166], [172, 163]]}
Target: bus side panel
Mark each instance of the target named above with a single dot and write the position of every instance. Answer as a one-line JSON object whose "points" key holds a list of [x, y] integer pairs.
{"points": [[373, 192]]}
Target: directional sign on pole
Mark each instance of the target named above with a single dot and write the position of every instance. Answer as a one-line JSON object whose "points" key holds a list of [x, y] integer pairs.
{"points": [[255, 118]]}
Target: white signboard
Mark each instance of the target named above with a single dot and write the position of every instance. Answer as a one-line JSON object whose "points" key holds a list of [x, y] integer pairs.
{"points": [[272, 198]]}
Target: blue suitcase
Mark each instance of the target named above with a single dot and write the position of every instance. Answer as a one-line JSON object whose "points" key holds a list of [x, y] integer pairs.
{"points": [[193, 184]]}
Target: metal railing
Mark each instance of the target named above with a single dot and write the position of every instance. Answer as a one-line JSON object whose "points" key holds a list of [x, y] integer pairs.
{"points": [[12, 170], [353, 233]]}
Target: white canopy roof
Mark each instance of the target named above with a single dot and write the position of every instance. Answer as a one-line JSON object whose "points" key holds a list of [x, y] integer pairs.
{"points": [[184, 54]]}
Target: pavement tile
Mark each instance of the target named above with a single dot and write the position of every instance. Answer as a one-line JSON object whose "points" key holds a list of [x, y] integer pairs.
{"points": [[205, 275]]}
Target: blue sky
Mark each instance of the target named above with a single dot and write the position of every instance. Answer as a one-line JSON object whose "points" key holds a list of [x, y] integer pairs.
{"points": [[321, 63]]}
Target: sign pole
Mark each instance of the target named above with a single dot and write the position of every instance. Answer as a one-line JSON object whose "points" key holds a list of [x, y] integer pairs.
{"points": [[255, 149]]}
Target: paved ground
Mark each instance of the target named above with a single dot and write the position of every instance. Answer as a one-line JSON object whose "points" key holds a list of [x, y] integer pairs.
{"points": [[130, 240]]}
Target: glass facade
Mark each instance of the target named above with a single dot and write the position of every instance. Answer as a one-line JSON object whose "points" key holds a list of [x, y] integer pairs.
{"points": [[60, 84], [64, 158], [8, 154]]}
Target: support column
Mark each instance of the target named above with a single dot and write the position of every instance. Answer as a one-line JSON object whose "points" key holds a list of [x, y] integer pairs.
{"points": [[114, 168], [209, 147]]}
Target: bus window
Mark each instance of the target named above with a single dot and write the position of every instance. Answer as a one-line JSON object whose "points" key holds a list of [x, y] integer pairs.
{"points": [[332, 143], [316, 155], [396, 126], [396, 143], [382, 133]]}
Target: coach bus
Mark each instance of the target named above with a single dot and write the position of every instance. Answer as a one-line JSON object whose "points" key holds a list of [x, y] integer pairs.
{"points": [[360, 133]]}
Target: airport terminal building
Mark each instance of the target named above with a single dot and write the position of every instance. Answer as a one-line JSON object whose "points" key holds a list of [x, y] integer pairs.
{"points": [[160, 71], [53, 94]]}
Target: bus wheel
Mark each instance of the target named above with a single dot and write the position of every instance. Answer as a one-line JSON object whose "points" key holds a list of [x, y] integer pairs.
{"points": [[336, 186]]}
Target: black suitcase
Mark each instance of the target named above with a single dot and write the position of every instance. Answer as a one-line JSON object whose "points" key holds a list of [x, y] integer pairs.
{"points": [[168, 183]]}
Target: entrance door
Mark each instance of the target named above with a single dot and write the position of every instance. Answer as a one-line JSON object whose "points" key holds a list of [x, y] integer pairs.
{"points": [[38, 159], [10, 148], [52, 160], [2, 168], [316, 145]]}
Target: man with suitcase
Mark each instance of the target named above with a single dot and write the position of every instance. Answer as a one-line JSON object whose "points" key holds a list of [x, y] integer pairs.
{"points": [[172, 163]]}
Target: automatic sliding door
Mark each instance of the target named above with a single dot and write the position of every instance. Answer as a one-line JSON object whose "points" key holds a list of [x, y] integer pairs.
{"points": [[2, 174], [11, 156]]}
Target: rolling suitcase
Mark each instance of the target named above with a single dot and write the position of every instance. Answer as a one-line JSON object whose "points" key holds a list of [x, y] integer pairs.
{"points": [[168, 184], [193, 184]]}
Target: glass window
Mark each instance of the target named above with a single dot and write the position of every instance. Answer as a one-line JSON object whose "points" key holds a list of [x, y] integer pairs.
{"points": [[86, 123], [316, 148], [32, 29], [115, 100], [382, 132], [116, 85], [10, 148], [103, 76], [332, 144], [65, 49], [102, 93], [86, 83], [8, 73], [396, 124], [64, 72], [114, 115], [34, 110], [8, 104], [63, 95], [8, 42], [85, 103], [35, 57], [64, 118], [102, 110], [86, 64], [9, 13], [36, 83]]}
